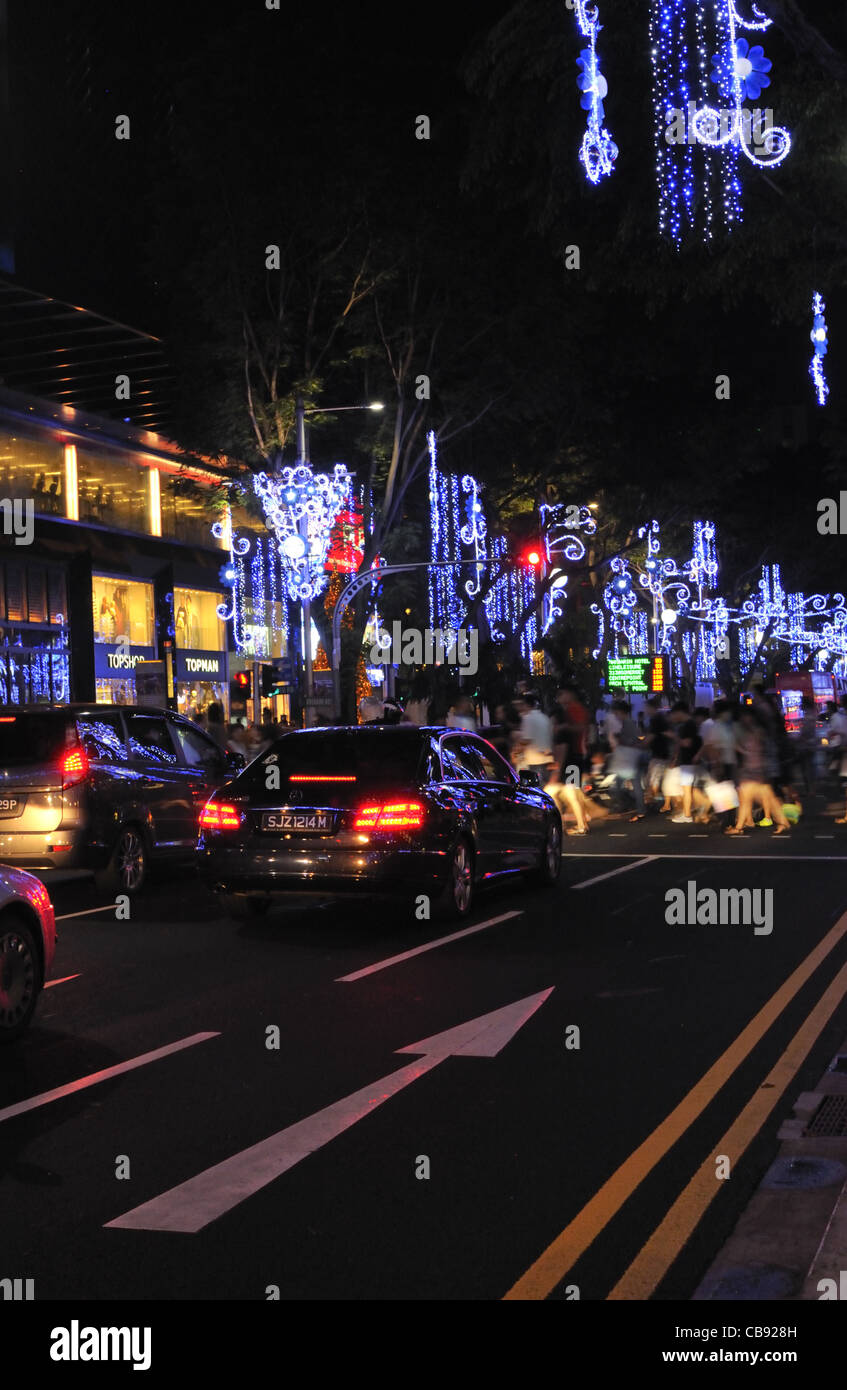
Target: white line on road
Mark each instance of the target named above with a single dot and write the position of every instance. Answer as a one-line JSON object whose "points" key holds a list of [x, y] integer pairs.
{"points": [[94, 1077], [622, 870], [63, 981], [419, 950], [211, 1194], [110, 907]]}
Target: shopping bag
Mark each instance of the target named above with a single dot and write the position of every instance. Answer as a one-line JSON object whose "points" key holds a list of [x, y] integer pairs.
{"points": [[671, 785], [722, 795]]}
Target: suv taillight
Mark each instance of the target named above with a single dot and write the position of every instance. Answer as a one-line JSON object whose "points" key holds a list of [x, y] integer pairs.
{"points": [[390, 815], [220, 815], [74, 767]]}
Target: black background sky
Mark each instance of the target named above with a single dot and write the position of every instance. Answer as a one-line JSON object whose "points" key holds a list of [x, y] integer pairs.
{"points": [[336, 87]]}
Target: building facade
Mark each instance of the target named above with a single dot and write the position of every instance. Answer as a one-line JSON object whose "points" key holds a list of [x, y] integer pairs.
{"points": [[108, 560]]}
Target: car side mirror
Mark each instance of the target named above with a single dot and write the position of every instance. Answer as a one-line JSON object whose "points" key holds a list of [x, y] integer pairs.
{"points": [[528, 778], [234, 762]]}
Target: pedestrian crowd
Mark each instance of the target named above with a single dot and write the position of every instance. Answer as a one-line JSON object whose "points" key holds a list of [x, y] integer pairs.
{"points": [[733, 766]]}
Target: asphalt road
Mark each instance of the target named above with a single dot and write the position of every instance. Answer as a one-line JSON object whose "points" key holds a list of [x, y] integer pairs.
{"points": [[551, 1166]]}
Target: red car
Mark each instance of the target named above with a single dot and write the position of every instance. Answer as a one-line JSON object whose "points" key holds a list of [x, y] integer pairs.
{"points": [[27, 945]]}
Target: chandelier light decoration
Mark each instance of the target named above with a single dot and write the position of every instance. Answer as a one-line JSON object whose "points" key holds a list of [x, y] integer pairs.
{"points": [[820, 342], [704, 71], [301, 508], [598, 151]]}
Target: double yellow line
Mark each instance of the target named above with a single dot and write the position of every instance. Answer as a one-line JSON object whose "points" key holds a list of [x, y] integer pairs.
{"points": [[654, 1260]]}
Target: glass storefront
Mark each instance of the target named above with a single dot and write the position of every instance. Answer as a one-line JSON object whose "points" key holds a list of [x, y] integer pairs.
{"points": [[113, 491], [185, 510], [124, 634], [34, 657], [32, 467], [197, 626], [201, 669], [123, 610], [34, 667]]}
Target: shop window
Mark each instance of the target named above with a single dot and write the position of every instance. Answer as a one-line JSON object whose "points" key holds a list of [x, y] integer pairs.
{"points": [[123, 610], [31, 467], [196, 622], [115, 690], [34, 668], [113, 491], [187, 510]]}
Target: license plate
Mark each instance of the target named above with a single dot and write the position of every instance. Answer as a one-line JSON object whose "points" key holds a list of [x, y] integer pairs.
{"points": [[315, 822], [12, 805]]}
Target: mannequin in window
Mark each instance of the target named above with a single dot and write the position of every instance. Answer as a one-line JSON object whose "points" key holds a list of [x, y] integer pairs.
{"points": [[107, 621]]}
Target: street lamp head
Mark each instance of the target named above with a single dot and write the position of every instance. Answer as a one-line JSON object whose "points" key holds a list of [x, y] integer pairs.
{"points": [[376, 405]]}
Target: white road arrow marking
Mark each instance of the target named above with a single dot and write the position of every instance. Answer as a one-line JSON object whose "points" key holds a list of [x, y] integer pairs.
{"points": [[193, 1204]]}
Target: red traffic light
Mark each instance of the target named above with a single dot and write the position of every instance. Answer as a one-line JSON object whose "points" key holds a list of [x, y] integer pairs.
{"points": [[532, 556], [242, 678]]}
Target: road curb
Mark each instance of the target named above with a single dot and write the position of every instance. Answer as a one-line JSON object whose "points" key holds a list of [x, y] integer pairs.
{"points": [[793, 1232]]}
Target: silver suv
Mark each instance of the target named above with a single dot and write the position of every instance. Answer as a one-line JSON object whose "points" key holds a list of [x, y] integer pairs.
{"points": [[105, 788]]}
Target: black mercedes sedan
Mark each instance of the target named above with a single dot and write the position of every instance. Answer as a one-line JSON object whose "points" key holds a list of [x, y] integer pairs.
{"points": [[393, 810]]}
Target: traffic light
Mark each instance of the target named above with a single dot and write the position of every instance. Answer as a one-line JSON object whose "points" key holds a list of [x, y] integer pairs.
{"points": [[533, 556], [270, 680], [241, 687]]}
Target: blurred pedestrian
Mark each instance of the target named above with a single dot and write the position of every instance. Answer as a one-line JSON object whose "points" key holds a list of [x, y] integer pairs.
{"points": [[461, 714]]}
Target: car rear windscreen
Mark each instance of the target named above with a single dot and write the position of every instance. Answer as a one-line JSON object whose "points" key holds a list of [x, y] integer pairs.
{"points": [[33, 739], [339, 764]]}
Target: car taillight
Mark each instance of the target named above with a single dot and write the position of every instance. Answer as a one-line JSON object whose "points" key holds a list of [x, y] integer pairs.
{"points": [[390, 815], [219, 815], [74, 767]]}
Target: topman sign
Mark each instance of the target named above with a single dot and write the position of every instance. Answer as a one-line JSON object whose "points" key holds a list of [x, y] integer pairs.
{"points": [[207, 665]]}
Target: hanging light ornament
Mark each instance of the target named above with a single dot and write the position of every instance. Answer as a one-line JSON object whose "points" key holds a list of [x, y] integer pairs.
{"points": [[598, 151], [699, 144], [821, 344], [300, 508], [232, 575]]}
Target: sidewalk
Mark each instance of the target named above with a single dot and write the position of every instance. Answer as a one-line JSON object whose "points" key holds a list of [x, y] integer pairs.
{"points": [[793, 1232]]}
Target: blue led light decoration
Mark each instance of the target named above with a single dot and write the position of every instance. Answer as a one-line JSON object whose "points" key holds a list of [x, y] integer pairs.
{"points": [[820, 342], [700, 141], [301, 508], [598, 151], [232, 575], [563, 527]]}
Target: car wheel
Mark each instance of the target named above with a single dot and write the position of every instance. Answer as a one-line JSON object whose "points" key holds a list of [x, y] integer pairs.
{"points": [[20, 977], [551, 856], [126, 871], [456, 899], [244, 907]]}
